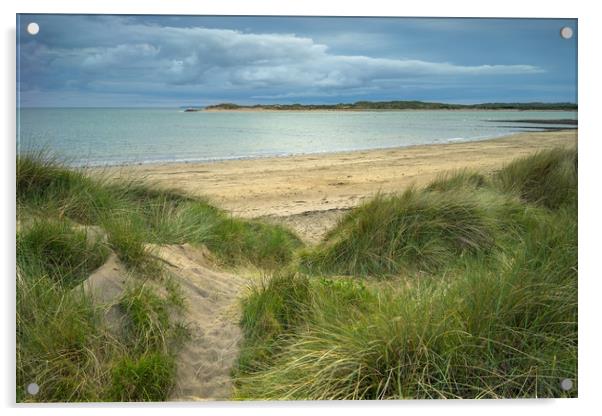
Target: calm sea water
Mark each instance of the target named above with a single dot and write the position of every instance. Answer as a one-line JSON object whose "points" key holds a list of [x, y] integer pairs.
{"points": [[95, 136]]}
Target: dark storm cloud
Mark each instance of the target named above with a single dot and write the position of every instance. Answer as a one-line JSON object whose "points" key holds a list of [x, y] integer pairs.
{"points": [[93, 60]]}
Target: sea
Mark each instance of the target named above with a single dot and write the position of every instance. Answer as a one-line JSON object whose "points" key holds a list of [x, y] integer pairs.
{"points": [[118, 136]]}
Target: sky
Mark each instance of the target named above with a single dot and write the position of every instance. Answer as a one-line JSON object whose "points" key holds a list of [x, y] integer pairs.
{"points": [[173, 61]]}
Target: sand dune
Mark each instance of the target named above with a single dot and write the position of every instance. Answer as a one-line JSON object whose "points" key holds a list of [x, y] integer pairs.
{"points": [[106, 286]]}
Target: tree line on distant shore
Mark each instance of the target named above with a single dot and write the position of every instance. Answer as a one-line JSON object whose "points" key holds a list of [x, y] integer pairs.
{"points": [[398, 105]]}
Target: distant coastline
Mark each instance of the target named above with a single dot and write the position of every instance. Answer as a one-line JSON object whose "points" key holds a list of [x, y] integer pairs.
{"points": [[387, 106]]}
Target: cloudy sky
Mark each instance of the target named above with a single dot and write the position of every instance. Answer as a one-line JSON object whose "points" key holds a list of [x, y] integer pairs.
{"points": [[119, 61]]}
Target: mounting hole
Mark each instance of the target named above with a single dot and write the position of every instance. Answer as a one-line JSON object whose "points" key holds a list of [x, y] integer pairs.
{"points": [[33, 28], [566, 384], [33, 388], [566, 32]]}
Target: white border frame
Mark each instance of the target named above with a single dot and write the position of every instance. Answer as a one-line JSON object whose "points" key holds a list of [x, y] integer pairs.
{"points": [[589, 200]]}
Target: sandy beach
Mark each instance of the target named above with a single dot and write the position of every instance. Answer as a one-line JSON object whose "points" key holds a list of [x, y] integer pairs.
{"points": [[310, 192]]}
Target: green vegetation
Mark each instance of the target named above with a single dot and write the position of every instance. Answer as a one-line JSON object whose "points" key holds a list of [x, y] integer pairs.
{"points": [[265, 245], [60, 251], [464, 289], [547, 178], [68, 223], [396, 105], [421, 230], [147, 379]]}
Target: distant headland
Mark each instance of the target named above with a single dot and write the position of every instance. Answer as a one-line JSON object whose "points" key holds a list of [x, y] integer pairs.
{"points": [[386, 105]]}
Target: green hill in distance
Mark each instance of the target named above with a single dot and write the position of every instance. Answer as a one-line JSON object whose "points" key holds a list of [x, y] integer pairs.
{"points": [[394, 105]]}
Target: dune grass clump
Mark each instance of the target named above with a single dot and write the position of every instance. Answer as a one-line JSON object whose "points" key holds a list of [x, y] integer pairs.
{"points": [[458, 180], [152, 338], [148, 324], [128, 238], [59, 341], [45, 186], [39, 172], [168, 217], [240, 241], [175, 220], [148, 378], [272, 307], [62, 252], [179, 222], [548, 178], [288, 300], [417, 229], [164, 216]]}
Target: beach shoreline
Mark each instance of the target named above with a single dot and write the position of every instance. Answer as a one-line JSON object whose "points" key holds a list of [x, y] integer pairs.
{"points": [[187, 162], [95, 166], [304, 191]]}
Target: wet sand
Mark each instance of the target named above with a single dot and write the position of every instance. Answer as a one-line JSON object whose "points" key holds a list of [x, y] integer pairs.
{"points": [[310, 192]]}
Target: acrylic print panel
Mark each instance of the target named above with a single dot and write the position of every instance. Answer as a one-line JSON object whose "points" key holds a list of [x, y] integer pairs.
{"points": [[294, 208]]}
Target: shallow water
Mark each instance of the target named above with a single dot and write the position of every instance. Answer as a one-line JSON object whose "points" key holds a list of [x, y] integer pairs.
{"points": [[100, 136]]}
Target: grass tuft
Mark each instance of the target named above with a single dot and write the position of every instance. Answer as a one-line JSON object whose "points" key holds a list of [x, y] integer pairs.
{"points": [[239, 241], [127, 237], [45, 186], [548, 178], [272, 307], [148, 378], [417, 229], [458, 180], [148, 317], [60, 339], [60, 251]]}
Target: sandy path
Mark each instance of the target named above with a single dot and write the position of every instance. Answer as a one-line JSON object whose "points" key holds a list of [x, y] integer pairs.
{"points": [[205, 363], [283, 188], [211, 297]]}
